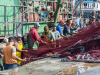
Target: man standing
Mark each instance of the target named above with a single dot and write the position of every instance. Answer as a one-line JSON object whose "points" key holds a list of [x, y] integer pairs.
{"points": [[2, 45], [58, 27], [9, 55], [98, 16], [92, 15], [84, 24], [67, 29], [56, 33], [48, 34], [19, 46], [33, 37], [93, 21]]}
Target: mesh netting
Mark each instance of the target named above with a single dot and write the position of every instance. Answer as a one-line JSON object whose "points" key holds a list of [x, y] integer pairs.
{"points": [[87, 39]]}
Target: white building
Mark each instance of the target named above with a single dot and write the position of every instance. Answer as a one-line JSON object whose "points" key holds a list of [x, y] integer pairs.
{"points": [[89, 6]]}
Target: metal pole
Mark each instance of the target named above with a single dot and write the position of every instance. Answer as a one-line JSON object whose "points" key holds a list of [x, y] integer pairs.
{"points": [[27, 2], [13, 5], [26, 18], [71, 9], [57, 11], [22, 20], [5, 20], [46, 8], [26, 21], [34, 11], [67, 12], [14, 23], [80, 9]]}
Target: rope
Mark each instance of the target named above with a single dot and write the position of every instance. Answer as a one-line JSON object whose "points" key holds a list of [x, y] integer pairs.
{"points": [[31, 59]]}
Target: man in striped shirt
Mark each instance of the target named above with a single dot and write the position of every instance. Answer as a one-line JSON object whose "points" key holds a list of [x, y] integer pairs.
{"points": [[9, 55]]}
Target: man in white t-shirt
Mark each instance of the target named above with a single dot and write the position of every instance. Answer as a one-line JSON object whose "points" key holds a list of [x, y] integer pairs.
{"points": [[56, 33]]}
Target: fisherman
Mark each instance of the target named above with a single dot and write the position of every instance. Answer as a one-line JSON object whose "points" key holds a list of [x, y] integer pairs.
{"points": [[48, 34], [58, 28], [67, 29], [97, 21], [19, 47], [98, 16], [33, 37], [93, 21], [56, 33], [2, 45], [57, 36], [84, 24], [9, 55], [73, 25], [92, 15]]}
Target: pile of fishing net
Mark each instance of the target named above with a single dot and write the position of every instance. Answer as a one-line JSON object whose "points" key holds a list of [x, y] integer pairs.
{"points": [[80, 46]]}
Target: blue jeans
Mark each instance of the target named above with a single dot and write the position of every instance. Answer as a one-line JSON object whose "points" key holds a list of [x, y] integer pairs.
{"points": [[10, 66]]}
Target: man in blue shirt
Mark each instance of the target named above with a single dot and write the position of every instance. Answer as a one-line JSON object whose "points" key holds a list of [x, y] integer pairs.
{"points": [[98, 16], [92, 15], [67, 29], [58, 27]]}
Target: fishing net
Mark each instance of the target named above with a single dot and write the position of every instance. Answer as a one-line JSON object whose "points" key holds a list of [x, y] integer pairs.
{"points": [[86, 41]]}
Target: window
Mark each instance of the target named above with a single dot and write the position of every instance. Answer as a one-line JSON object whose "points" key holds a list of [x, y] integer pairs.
{"points": [[94, 0], [93, 5], [85, 5]]}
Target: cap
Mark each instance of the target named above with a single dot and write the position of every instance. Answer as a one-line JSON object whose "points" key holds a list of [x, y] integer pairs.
{"points": [[68, 21], [11, 39], [5, 40], [37, 24], [19, 35], [62, 21]]}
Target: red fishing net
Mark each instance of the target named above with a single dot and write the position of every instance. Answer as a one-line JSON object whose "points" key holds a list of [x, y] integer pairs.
{"points": [[87, 40]]}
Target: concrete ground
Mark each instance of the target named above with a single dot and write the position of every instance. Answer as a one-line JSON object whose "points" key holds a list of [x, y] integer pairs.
{"points": [[93, 71], [52, 66], [47, 66]]}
